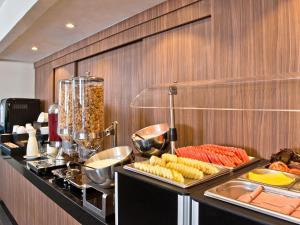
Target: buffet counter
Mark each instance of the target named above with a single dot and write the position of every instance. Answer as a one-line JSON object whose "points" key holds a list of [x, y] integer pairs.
{"points": [[155, 202], [32, 199], [209, 211]]}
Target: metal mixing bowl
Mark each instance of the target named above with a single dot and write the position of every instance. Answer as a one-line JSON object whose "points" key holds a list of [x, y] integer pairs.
{"points": [[152, 140], [104, 177]]}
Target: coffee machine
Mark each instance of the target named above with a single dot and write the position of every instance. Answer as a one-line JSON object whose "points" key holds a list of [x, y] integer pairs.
{"points": [[18, 111]]}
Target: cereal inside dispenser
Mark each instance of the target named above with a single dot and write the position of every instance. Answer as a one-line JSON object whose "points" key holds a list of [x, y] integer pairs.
{"points": [[88, 112], [65, 125]]}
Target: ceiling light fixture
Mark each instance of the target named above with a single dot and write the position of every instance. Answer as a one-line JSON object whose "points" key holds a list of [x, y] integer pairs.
{"points": [[34, 48], [70, 25]]}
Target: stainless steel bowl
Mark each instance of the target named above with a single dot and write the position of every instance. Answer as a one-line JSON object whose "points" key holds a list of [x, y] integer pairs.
{"points": [[152, 140], [104, 177]]}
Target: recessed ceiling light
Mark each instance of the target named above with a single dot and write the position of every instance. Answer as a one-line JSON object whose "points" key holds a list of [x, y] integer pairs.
{"points": [[70, 25], [34, 48]]}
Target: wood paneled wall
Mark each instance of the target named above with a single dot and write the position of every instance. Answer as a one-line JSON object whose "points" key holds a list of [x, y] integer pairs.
{"points": [[44, 85], [194, 40], [29, 206], [61, 73]]}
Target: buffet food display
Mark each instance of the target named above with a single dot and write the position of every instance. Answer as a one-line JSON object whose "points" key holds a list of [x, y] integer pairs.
{"points": [[230, 157], [179, 171], [270, 177], [193, 164], [273, 189], [272, 201], [287, 160]]}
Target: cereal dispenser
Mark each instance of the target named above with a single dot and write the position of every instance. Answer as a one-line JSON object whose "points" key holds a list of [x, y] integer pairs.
{"points": [[88, 113], [65, 124]]}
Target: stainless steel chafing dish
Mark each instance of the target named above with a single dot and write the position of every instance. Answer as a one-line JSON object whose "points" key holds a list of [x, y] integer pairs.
{"points": [[232, 190]]}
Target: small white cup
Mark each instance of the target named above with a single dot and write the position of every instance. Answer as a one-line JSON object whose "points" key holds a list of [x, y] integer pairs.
{"points": [[21, 130], [15, 128]]}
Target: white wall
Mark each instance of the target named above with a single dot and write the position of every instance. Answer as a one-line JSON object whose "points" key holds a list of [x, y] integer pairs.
{"points": [[16, 80]]}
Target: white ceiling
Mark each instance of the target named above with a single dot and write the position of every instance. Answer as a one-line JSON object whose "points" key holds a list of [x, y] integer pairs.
{"points": [[48, 31]]}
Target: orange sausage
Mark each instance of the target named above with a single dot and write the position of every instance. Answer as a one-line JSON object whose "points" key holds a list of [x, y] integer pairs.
{"points": [[294, 171]]}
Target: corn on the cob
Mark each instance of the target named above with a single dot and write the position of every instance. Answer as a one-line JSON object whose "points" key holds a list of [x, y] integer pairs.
{"points": [[186, 171], [154, 160], [204, 167], [169, 157], [160, 171]]}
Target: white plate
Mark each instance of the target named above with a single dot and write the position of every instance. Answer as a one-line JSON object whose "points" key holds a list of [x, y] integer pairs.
{"points": [[32, 156]]}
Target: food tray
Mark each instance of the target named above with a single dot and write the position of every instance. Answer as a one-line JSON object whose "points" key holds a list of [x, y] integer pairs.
{"points": [[251, 161], [188, 182], [262, 170], [231, 190]]}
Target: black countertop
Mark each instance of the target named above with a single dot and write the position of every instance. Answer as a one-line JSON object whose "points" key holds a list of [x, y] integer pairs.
{"points": [[71, 203]]}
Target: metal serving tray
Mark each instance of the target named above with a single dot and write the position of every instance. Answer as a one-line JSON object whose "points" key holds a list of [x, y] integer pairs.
{"points": [[263, 170], [232, 190], [250, 162], [295, 186], [188, 182]]}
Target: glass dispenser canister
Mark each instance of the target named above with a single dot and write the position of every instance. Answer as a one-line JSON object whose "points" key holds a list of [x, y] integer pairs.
{"points": [[65, 110], [88, 111], [65, 124]]}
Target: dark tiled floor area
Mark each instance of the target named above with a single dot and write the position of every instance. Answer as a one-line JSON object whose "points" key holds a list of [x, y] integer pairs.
{"points": [[4, 219]]}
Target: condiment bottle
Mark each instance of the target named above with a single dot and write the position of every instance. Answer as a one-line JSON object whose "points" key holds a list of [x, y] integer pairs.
{"points": [[54, 138], [32, 145]]}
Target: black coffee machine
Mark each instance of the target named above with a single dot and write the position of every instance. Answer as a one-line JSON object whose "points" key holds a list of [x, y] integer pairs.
{"points": [[18, 111]]}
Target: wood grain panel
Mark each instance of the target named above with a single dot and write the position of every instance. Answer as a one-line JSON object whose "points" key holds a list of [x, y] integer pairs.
{"points": [[255, 38], [181, 54], [166, 57], [26, 203], [64, 72], [120, 69], [187, 14], [44, 89], [242, 38], [150, 14]]}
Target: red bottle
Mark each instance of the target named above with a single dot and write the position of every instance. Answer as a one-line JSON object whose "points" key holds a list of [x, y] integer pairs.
{"points": [[54, 138]]}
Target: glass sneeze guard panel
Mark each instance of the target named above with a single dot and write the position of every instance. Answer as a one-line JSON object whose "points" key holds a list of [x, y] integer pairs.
{"points": [[274, 94]]}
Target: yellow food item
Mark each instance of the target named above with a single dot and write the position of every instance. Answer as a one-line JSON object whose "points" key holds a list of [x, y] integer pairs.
{"points": [[186, 171], [154, 160], [177, 176], [276, 179], [160, 171], [169, 157], [204, 167]]}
